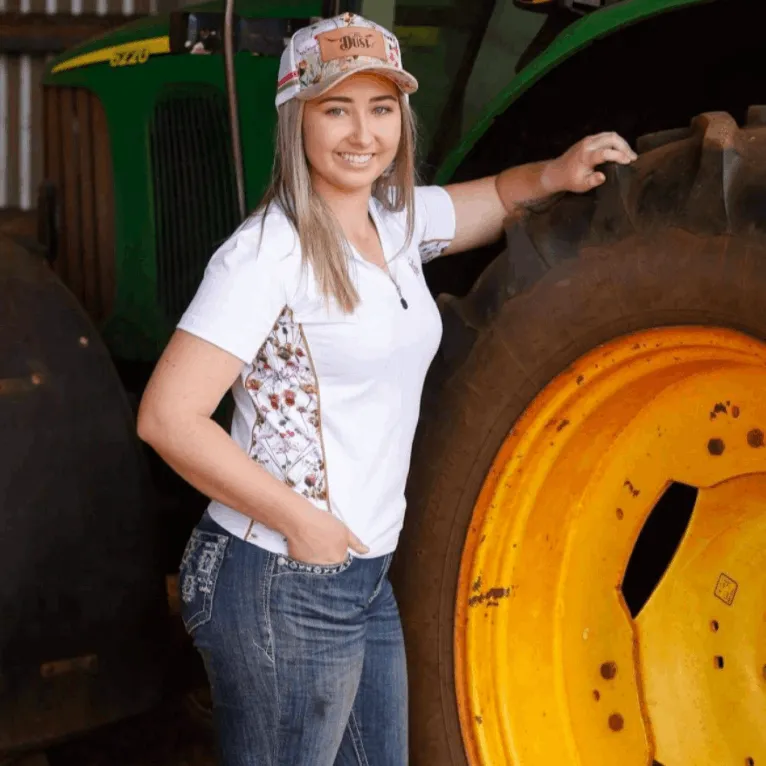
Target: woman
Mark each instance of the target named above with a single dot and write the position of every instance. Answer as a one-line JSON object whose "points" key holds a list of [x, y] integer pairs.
{"points": [[317, 315]]}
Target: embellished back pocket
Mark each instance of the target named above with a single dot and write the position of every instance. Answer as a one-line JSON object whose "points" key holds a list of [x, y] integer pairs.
{"points": [[198, 574]]}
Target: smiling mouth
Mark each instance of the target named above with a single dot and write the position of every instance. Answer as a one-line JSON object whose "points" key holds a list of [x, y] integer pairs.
{"points": [[358, 160]]}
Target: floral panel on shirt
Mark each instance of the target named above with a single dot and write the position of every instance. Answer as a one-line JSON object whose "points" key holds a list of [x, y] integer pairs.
{"points": [[432, 248], [286, 437]]}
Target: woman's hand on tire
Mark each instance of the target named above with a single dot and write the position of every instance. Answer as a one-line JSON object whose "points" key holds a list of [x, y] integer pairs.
{"points": [[321, 538], [575, 170]]}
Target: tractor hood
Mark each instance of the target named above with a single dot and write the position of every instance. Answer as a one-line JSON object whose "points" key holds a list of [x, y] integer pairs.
{"points": [[150, 36]]}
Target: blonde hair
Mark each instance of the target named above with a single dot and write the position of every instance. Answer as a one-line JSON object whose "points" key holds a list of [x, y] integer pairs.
{"points": [[323, 245]]}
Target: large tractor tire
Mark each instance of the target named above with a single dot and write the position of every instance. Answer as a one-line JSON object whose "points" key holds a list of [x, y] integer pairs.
{"points": [[84, 625], [582, 573]]}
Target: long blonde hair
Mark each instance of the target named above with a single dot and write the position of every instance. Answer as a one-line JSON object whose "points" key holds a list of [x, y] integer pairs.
{"points": [[323, 245]]}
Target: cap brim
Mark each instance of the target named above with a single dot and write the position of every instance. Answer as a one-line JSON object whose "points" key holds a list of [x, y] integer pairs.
{"points": [[403, 80]]}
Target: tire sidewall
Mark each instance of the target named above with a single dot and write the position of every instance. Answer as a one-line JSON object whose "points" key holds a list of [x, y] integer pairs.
{"points": [[667, 278]]}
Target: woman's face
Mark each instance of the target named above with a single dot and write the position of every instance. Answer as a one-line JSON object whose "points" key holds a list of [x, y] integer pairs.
{"points": [[351, 133]]}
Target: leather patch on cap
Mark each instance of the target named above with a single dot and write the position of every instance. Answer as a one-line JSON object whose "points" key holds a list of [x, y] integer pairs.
{"points": [[351, 41]]}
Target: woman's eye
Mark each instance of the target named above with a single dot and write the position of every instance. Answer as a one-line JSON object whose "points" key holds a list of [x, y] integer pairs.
{"points": [[383, 110], [336, 111]]}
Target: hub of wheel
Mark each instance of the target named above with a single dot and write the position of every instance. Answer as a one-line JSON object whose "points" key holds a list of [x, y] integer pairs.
{"points": [[550, 665]]}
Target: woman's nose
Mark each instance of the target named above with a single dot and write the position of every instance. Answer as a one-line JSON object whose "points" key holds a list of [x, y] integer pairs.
{"points": [[362, 134]]}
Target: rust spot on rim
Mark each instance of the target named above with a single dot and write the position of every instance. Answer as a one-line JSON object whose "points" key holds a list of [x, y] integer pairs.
{"points": [[491, 597]]}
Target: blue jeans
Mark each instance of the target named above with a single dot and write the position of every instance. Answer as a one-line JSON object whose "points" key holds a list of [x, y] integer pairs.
{"points": [[306, 664]]}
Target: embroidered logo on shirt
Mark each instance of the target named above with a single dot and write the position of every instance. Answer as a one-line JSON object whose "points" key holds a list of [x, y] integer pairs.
{"points": [[414, 266]]}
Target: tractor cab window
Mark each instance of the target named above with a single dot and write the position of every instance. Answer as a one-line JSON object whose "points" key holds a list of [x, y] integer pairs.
{"points": [[463, 52]]}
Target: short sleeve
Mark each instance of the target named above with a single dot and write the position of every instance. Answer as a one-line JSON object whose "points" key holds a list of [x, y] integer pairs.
{"points": [[247, 284], [434, 221]]}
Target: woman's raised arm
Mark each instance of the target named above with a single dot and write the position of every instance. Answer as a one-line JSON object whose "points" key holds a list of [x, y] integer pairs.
{"points": [[482, 206]]}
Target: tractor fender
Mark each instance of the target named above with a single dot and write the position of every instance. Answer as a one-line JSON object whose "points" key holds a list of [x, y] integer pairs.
{"points": [[572, 40]]}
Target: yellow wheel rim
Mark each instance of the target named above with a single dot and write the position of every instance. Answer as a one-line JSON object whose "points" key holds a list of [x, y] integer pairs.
{"points": [[550, 666]]}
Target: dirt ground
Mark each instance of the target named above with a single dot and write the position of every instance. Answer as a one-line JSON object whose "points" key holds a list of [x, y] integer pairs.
{"points": [[167, 736]]}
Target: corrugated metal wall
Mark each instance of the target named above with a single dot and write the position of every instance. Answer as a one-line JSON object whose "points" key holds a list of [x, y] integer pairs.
{"points": [[21, 108]]}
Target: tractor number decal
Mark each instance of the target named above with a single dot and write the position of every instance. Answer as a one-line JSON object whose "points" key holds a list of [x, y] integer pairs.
{"points": [[126, 54], [129, 57]]}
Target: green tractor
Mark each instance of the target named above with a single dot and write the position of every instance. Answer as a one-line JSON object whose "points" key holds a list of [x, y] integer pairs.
{"points": [[582, 573]]}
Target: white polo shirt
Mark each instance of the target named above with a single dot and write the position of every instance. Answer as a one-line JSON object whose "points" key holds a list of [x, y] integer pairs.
{"points": [[327, 402]]}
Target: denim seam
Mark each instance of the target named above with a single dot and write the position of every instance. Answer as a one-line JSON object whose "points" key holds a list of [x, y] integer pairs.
{"points": [[382, 578], [266, 606], [278, 711], [356, 740]]}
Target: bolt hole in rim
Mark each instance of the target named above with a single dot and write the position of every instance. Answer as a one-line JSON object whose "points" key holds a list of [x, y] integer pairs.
{"points": [[541, 613]]}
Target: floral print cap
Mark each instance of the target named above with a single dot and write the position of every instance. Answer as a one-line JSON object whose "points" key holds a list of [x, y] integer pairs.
{"points": [[321, 55]]}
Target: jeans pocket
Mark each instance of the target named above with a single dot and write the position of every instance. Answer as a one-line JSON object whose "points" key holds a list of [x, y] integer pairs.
{"points": [[198, 575], [287, 565]]}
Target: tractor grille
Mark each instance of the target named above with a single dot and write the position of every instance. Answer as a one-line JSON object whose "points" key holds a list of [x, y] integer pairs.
{"points": [[195, 203], [80, 198]]}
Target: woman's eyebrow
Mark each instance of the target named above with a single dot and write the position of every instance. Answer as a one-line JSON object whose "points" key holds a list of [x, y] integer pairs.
{"points": [[347, 100]]}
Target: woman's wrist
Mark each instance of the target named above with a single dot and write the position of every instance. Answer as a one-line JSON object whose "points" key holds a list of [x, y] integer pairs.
{"points": [[551, 179], [529, 187], [292, 518]]}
